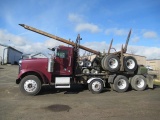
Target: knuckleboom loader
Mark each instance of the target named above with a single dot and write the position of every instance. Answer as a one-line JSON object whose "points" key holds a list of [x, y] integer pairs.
{"points": [[66, 67]]}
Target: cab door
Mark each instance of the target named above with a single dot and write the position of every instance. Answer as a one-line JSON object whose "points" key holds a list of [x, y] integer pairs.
{"points": [[63, 61]]}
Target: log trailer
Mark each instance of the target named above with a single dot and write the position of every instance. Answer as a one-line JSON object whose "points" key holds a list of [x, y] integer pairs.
{"points": [[65, 67]]}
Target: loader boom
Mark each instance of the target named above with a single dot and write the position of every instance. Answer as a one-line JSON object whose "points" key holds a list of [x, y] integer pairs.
{"points": [[58, 38], [125, 48]]}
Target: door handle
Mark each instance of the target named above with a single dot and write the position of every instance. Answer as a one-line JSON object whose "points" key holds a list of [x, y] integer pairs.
{"points": [[69, 60]]}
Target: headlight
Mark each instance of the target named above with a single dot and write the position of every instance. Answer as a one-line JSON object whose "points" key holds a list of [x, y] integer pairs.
{"points": [[20, 61]]}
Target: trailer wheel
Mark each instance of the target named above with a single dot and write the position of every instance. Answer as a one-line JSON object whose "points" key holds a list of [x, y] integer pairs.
{"points": [[30, 85], [88, 64], [139, 82], [130, 64], [112, 63], [81, 63], [121, 83], [86, 71], [96, 86]]}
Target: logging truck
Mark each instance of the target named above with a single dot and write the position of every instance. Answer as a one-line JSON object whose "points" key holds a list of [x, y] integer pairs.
{"points": [[66, 67]]}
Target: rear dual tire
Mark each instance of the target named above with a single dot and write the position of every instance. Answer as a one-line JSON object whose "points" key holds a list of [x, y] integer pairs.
{"points": [[111, 63], [139, 83], [120, 84]]}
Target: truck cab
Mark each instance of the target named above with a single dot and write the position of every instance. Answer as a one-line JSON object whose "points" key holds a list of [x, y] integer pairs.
{"points": [[46, 70], [63, 61]]}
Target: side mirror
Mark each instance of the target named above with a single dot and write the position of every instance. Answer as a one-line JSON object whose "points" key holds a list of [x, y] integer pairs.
{"points": [[53, 49]]}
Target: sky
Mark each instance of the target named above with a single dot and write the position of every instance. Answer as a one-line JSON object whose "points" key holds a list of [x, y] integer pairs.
{"points": [[97, 22]]}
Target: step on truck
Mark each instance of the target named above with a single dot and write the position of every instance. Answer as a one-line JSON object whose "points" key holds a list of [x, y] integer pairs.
{"points": [[66, 67]]}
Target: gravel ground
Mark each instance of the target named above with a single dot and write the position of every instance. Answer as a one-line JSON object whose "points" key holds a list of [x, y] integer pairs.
{"points": [[74, 104]]}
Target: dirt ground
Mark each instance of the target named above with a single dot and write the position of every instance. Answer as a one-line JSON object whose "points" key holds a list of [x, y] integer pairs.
{"points": [[74, 104]]}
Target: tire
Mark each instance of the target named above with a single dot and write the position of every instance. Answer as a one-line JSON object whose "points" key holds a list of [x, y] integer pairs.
{"points": [[93, 71], [111, 63], [139, 83], [85, 71], [111, 85], [121, 84], [102, 62], [30, 85], [96, 86], [81, 63], [88, 64], [130, 64], [89, 88]]}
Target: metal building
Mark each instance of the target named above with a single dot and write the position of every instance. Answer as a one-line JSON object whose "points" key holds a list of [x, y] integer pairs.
{"points": [[34, 55], [9, 55], [141, 60], [154, 64]]}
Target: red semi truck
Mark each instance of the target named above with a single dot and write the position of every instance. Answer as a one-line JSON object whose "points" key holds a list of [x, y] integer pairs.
{"points": [[65, 67]]}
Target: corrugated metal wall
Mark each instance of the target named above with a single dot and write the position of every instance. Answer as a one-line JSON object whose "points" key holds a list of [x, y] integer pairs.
{"points": [[9, 55], [3, 53], [13, 56]]}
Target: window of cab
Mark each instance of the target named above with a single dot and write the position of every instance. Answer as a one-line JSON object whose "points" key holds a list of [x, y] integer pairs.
{"points": [[62, 53]]}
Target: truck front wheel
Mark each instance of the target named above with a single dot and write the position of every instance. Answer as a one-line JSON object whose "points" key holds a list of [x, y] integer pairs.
{"points": [[30, 85], [96, 86], [121, 83]]}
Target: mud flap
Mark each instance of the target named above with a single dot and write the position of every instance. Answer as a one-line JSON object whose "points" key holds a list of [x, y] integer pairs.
{"points": [[149, 81], [111, 78]]}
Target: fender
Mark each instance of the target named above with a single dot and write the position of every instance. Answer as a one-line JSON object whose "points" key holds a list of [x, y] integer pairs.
{"points": [[149, 81], [25, 71], [93, 78]]}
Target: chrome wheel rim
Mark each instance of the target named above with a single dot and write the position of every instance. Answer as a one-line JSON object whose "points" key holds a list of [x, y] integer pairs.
{"points": [[140, 83], [30, 86], [122, 84], [113, 63], [96, 86], [130, 63]]}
